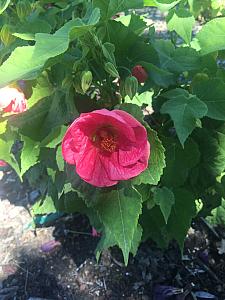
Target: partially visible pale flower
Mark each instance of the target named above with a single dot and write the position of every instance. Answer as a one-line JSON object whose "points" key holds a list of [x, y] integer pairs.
{"points": [[106, 147], [3, 163], [12, 100]]}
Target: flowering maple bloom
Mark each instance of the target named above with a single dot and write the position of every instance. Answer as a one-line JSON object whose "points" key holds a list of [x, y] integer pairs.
{"points": [[3, 163], [106, 146], [95, 233], [12, 100], [140, 73]]}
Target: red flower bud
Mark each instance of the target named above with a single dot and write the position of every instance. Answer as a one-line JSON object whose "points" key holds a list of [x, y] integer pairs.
{"points": [[140, 73]]}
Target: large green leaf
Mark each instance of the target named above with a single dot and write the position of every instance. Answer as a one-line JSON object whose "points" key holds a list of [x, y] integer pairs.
{"points": [[159, 76], [181, 215], [185, 110], [29, 155], [27, 62], [156, 162], [119, 212], [212, 147], [212, 36], [164, 197], [179, 161], [179, 221], [109, 8], [182, 22], [176, 60], [212, 92]]}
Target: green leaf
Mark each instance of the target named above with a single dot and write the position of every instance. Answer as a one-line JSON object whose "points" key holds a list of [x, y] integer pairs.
{"points": [[154, 226], [5, 154], [119, 212], [44, 207], [107, 240], [164, 197], [29, 155], [159, 76], [163, 5], [42, 89], [212, 92], [185, 110], [212, 36], [212, 147], [182, 22], [136, 239], [30, 122], [28, 30], [27, 62], [134, 22], [177, 60], [179, 221], [218, 215], [59, 159], [179, 161], [110, 7], [140, 99], [181, 215], [54, 138], [156, 162], [3, 5], [132, 109], [3, 126]]}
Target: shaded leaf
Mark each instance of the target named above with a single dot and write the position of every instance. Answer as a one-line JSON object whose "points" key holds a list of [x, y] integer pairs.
{"points": [[185, 110], [212, 92], [164, 197]]}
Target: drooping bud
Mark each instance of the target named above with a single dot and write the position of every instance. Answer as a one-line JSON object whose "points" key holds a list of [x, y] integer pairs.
{"points": [[131, 86], [110, 68], [23, 9], [86, 80], [140, 73], [6, 37]]}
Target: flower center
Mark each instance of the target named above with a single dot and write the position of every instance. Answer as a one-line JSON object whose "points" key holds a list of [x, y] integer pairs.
{"points": [[105, 139], [108, 144]]}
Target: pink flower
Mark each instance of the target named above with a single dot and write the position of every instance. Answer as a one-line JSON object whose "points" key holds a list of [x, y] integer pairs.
{"points": [[3, 163], [106, 147], [95, 233], [12, 100]]}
